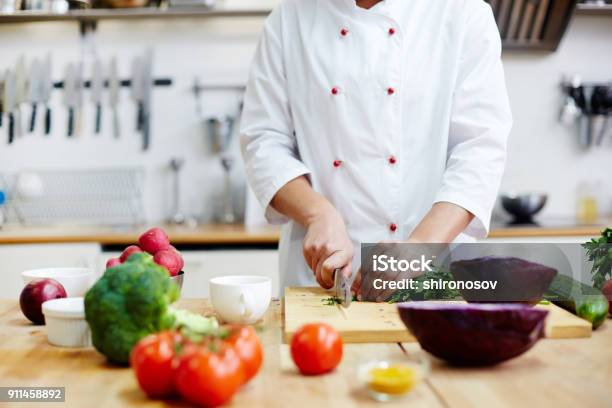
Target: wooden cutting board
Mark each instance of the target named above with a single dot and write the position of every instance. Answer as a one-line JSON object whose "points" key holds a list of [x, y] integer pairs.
{"points": [[366, 322]]}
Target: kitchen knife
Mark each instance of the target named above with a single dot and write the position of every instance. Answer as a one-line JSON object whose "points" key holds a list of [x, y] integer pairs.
{"points": [[9, 103], [34, 79], [136, 90], [342, 288], [113, 96], [46, 85], [69, 97], [97, 83], [21, 94], [1, 100], [78, 99], [147, 83]]}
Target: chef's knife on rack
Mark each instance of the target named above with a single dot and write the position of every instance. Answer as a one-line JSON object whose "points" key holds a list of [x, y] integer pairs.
{"points": [[113, 96], [21, 94], [147, 83], [46, 85], [9, 104], [97, 83], [136, 90], [342, 288], [69, 97], [34, 89], [78, 99]]}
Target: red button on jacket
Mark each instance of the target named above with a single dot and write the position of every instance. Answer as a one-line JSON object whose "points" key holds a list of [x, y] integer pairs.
{"points": [[392, 160], [390, 91], [391, 31], [344, 32], [335, 91], [393, 227], [337, 163]]}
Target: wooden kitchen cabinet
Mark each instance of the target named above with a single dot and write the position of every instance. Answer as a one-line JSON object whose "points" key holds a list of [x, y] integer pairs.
{"points": [[18, 258], [202, 265]]}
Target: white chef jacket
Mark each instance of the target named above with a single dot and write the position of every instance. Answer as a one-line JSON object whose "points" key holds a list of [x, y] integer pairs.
{"points": [[387, 111]]}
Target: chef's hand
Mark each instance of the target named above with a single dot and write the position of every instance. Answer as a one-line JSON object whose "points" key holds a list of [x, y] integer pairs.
{"points": [[327, 246], [364, 286]]}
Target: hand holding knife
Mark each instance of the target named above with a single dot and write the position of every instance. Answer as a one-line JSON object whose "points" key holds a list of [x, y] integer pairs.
{"points": [[342, 289]]}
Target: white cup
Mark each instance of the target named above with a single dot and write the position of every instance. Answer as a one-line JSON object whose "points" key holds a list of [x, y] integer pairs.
{"points": [[240, 299]]}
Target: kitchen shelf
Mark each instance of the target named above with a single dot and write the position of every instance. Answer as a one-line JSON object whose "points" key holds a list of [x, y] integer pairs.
{"points": [[594, 9], [129, 14]]}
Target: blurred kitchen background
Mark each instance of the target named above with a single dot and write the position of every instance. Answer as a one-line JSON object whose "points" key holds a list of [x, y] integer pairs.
{"points": [[144, 101]]}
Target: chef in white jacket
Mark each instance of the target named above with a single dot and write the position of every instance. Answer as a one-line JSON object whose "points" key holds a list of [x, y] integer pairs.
{"points": [[368, 121]]}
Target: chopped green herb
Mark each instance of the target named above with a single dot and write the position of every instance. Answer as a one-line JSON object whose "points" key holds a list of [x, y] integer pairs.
{"points": [[330, 301]]}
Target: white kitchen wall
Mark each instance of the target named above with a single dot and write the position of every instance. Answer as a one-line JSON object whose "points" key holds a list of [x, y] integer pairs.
{"points": [[543, 156]]}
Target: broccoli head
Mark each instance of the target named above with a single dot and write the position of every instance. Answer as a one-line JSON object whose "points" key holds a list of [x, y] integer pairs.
{"points": [[127, 303]]}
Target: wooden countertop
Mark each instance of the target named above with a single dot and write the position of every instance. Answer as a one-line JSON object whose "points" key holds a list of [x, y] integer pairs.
{"points": [[215, 234], [560, 373], [200, 235]]}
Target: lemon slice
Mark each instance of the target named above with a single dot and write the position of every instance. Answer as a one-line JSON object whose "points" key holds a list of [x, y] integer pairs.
{"points": [[392, 380]]}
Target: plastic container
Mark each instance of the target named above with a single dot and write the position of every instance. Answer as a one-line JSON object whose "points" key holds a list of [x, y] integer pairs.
{"points": [[65, 321]]}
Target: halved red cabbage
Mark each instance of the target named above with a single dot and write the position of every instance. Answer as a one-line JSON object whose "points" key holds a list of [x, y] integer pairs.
{"points": [[473, 334], [518, 280]]}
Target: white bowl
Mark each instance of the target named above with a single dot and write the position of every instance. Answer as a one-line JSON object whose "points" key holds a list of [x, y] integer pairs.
{"points": [[66, 324], [240, 299], [76, 281]]}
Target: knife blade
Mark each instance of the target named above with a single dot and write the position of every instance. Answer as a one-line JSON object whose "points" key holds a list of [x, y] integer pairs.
{"points": [[78, 99], [342, 288], [97, 83], [9, 103], [113, 96], [46, 85], [34, 91], [21, 94], [136, 90], [69, 97], [147, 83]]}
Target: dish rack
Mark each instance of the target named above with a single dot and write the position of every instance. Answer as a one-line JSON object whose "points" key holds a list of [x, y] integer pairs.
{"points": [[85, 197]]}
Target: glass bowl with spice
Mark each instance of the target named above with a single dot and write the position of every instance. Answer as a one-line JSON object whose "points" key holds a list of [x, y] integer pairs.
{"points": [[395, 377]]}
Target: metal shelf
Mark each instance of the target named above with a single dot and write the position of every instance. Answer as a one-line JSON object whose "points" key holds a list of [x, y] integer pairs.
{"points": [[127, 14], [594, 9]]}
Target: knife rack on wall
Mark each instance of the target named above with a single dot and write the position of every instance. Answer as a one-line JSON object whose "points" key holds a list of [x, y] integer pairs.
{"points": [[124, 83], [532, 24]]}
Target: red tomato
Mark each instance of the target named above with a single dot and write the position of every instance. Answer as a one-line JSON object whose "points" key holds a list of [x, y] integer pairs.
{"points": [[246, 343], [209, 375], [316, 348], [152, 360]]}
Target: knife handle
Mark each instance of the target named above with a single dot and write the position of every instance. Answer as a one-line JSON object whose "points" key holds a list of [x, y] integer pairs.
{"points": [[140, 116], [98, 118], [146, 131], [116, 128], [70, 122], [1, 116], [11, 127], [48, 121], [33, 118]]}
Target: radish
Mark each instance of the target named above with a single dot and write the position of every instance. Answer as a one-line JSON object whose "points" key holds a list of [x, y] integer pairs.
{"points": [[154, 240], [180, 256], [113, 262], [169, 259], [127, 252]]}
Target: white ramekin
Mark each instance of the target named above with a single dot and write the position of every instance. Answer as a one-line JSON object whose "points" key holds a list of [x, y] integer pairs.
{"points": [[76, 281], [65, 321]]}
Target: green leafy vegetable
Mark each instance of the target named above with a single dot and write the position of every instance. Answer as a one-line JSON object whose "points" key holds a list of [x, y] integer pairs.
{"points": [[330, 301], [422, 293], [599, 251]]}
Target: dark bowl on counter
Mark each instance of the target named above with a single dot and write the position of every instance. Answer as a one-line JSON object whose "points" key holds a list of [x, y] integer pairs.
{"points": [[523, 207], [518, 280]]}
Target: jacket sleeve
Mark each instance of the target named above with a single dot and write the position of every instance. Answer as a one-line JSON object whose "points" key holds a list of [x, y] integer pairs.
{"points": [[268, 144], [480, 123]]}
